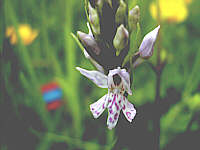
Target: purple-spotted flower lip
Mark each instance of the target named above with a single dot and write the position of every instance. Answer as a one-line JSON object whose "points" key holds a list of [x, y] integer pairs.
{"points": [[114, 100]]}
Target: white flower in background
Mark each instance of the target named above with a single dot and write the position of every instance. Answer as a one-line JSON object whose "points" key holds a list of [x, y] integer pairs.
{"points": [[117, 82]]}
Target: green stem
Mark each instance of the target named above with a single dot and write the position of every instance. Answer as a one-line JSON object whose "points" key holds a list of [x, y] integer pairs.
{"points": [[72, 78], [49, 51]]}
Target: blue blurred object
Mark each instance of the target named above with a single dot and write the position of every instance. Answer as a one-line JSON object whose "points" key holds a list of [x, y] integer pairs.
{"points": [[52, 95]]}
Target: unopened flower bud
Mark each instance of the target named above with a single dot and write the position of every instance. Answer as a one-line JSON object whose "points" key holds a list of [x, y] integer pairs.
{"points": [[121, 39], [89, 43], [120, 16], [94, 20], [147, 45], [133, 17]]}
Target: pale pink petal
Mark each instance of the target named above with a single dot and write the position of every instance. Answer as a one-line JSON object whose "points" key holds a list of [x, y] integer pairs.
{"points": [[114, 71], [110, 81], [110, 77], [126, 80], [89, 29], [128, 110], [127, 86], [98, 107], [97, 77], [124, 76], [114, 108], [112, 119], [86, 54], [98, 66]]}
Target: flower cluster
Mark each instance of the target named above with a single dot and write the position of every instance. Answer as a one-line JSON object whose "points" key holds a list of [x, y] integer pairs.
{"points": [[107, 46]]}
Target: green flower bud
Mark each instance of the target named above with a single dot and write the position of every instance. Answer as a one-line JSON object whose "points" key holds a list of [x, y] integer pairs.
{"points": [[121, 39], [120, 16], [133, 18], [94, 20], [89, 43]]}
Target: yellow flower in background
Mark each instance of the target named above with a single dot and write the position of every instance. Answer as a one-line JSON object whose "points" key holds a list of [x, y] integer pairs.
{"points": [[171, 10], [26, 33]]}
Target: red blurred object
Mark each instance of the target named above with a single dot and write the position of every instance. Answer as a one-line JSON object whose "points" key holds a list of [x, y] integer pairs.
{"points": [[54, 105], [49, 86]]}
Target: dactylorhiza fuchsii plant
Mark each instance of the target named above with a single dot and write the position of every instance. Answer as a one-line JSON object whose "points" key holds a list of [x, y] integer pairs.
{"points": [[112, 28]]}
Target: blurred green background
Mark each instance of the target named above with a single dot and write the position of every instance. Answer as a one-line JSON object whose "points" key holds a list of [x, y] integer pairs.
{"points": [[37, 48]]}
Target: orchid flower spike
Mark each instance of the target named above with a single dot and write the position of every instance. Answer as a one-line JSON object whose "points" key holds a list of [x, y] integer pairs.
{"points": [[117, 82], [147, 45]]}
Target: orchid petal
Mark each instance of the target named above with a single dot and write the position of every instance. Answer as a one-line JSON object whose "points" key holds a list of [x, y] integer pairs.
{"points": [[127, 86], [86, 54], [128, 110], [126, 80], [124, 76], [146, 47], [114, 109], [89, 29], [98, 107], [98, 66], [112, 119], [110, 81], [114, 71], [97, 77]]}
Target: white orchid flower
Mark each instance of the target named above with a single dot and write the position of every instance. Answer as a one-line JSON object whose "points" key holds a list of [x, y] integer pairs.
{"points": [[117, 82]]}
